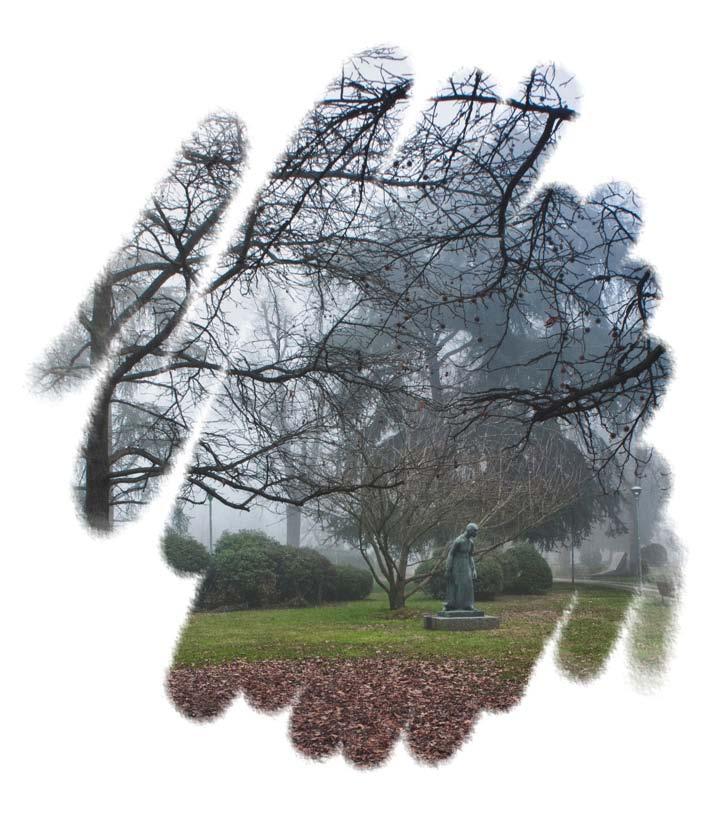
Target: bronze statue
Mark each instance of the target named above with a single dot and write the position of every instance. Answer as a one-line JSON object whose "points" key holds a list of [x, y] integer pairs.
{"points": [[461, 572]]}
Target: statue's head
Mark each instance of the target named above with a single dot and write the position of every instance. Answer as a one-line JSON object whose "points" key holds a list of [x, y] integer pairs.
{"points": [[471, 530]]}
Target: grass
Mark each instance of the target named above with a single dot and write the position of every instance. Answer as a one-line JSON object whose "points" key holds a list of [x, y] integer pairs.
{"points": [[367, 628], [592, 630], [650, 639]]}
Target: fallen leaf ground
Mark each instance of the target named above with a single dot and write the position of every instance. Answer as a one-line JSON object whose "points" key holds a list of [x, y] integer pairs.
{"points": [[358, 676], [357, 706]]}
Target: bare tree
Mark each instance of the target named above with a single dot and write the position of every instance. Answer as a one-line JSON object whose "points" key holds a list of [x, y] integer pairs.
{"points": [[434, 275], [428, 484], [171, 339], [133, 330]]}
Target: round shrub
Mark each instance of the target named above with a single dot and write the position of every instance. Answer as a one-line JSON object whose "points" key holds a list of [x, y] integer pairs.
{"points": [[304, 576], [244, 537], [531, 575], [352, 583], [184, 554], [489, 579], [654, 554], [249, 569], [509, 566], [239, 577], [285, 568]]}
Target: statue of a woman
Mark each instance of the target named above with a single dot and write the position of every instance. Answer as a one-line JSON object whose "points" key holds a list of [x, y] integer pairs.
{"points": [[461, 571]]}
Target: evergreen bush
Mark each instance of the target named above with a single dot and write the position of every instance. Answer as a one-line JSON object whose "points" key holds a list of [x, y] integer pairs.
{"points": [[352, 583], [249, 569], [184, 554], [654, 554], [489, 579], [304, 576], [239, 577], [530, 574]]}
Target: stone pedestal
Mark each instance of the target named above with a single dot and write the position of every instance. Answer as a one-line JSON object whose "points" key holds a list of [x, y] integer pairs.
{"points": [[466, 620]]}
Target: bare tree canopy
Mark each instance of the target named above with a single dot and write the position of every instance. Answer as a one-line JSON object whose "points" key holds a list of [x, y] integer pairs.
{"points": [[437, 483], [134, 331], [369, 283]]}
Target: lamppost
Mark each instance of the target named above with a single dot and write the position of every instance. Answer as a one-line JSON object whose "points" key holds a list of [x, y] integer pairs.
{"points": [[636, 550], [210, 524]]}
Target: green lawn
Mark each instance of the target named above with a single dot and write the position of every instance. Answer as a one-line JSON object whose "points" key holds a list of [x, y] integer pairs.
{"points": [[651, 636], [368, 629], [592, 630]]}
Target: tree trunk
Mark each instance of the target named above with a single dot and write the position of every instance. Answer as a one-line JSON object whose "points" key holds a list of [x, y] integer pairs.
{"points": [[98, 442], [397, 596], [293, 515], [97, 467]]}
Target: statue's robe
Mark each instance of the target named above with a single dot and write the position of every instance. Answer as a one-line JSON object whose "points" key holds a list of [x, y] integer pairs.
{"points": [[459, 569]]}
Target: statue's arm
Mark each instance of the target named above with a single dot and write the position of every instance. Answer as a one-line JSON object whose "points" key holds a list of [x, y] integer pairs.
{"points": [[451, 555]]}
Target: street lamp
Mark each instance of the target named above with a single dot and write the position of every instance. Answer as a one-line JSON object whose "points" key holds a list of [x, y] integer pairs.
{"points": [[636, 551], [210, 524]]}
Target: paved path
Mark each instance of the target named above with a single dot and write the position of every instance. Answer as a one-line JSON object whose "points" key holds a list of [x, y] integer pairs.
{"points": [[632, 587]]}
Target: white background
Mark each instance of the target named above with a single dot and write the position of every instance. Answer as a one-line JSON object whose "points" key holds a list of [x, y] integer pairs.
{"points": [[95, 101]]}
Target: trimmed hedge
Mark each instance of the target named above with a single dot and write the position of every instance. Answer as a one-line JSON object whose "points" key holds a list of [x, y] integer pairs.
{"points": [[519, 570], [184, 554], [252, 570], [525, 571], [304, 576], [489, 580], [509, 566], [352, 583], [244, 537], [239, 577]]}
